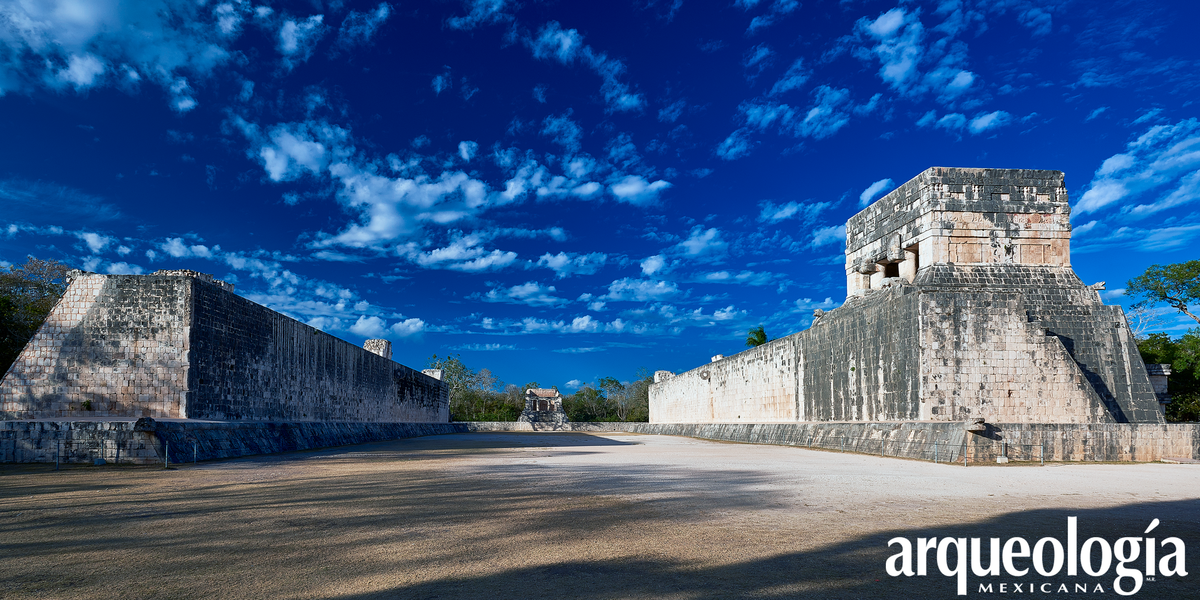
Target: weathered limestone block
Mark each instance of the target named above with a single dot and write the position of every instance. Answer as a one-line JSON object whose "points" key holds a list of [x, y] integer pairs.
{"points": [[381, 347]]}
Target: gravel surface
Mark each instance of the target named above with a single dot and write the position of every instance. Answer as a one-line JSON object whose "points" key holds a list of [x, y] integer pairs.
{"points": [[559, 515]]}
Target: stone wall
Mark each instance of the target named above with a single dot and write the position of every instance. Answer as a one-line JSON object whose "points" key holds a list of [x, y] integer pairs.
{"points": [[252, 363], [113, 345], [75, 442], [147, 441], [946, 349], [857, 363], [1028, 344], [985, 360], [758, 384], [943, 442], [171, 346], [853, 364], [952, 313]]}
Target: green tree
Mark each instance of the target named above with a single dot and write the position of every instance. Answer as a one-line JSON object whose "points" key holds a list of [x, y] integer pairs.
{"points": [[477, 395], [587, 404], [637, 394], [612, 400], [455, 373], [618, 399], [1177, 285], [756, 337], [27, 293], [1184, 382]]}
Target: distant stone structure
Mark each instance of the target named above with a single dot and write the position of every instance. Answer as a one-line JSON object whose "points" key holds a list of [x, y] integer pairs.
{"points": [[543, 406], [1159, 373], [380, 347], [180, 344], [961, 304]]}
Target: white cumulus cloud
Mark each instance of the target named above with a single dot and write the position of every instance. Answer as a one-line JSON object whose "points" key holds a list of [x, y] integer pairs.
{"points": [[635, 190], [640, 290], [479, 13], [829, 235], [736, 145], [910, 61], [371, 327], [552, 42], [1158, 170], [873, 191], [829, 113], [358, 28], [564, 131], [992, 120], [122, 268], [653, 264], [467, 150], [796, 76], [95, 241], [88, 44], [177, 248], [82, 71], [531, 293], [465, 253], [703, 242], [566, 264], [407, 327], [298, 38]]}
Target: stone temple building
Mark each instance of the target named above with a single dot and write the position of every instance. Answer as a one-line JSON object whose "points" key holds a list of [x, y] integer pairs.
{"points": [[543, 406], [960, 304]]}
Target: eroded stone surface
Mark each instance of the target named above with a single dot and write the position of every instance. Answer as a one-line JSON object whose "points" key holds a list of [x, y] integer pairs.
{"points": [[174, 345], [961, 303]]}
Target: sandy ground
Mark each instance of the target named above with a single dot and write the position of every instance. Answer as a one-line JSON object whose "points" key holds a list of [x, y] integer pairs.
{"points": [[557, 515]]}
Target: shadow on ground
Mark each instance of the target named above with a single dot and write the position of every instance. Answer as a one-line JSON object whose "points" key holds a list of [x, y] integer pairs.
{"points": [[853, 568], [391, 520]]}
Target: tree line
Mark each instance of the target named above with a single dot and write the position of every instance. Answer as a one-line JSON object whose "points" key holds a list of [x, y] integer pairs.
{"points": [[480, 396], [1178, 286]]}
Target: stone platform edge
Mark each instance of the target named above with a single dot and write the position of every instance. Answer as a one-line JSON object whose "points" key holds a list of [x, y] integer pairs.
{"points": [[932, 440], [145, 441]]}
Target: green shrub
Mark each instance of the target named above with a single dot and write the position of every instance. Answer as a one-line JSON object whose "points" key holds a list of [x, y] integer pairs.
{"points": [[1183, 384]]}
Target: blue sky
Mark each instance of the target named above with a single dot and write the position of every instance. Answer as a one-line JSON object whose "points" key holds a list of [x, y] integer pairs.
{"points": [[561, 192]]}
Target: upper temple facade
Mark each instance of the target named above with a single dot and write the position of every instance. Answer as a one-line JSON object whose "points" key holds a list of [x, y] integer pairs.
{"points": [[960, 304], [963, 217]]}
